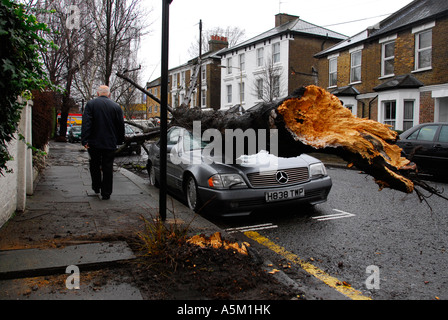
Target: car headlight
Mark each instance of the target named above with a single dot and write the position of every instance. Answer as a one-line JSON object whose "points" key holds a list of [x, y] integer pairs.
{"points": [[317, 170], [226, 181]]}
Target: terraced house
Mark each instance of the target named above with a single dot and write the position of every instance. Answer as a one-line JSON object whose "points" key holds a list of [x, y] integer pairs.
{"points": [[274, 63], [395, 72]]}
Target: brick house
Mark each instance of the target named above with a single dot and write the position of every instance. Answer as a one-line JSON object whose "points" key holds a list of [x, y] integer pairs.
{"points": [[274, 63], [152, 107], [395, 72]]}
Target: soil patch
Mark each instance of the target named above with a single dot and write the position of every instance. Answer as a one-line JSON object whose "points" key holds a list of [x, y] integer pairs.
{"points": [[188, 271]]}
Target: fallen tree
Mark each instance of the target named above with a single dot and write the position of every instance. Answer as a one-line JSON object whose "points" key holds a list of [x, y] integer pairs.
{"points": [[311, 119]]}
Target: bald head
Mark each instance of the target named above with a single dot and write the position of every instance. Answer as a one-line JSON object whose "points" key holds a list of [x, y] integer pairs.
{"points": [[103, 91]]}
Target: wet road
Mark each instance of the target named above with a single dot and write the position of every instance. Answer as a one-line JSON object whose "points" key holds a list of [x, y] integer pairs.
{"points": [[385, 244]]}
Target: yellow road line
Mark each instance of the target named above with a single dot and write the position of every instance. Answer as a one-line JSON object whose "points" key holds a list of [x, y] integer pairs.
{"points": [[308, 267]]}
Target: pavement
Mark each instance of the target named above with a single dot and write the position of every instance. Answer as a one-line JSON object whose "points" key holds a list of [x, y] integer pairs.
{"points": [[66, 228], [66, 224]]}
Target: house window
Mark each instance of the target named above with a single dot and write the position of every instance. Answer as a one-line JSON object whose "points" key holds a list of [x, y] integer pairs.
{"points": [[229, 65], [241, 86], [182, 78], [276, 87], [260, 89], [408, 116], [203, 98], [355, 70], [203, 74], [333, 68], [242, 58], [388, 58], [390, 112], [276, 52], [423, 50], [229, 93], [260, 57]]}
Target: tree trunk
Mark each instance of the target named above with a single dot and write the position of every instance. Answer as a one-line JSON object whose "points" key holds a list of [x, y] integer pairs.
{"points": [[311, 119]]}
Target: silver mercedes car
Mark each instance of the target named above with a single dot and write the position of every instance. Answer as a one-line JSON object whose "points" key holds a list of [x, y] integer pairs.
{"points": [[255, 181]]}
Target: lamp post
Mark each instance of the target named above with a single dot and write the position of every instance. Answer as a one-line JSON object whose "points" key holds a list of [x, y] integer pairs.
{"points": [[164, 108]]}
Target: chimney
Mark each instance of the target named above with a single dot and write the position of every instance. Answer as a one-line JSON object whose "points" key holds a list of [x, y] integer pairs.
{"points": [[282, 18], [217, 43]]}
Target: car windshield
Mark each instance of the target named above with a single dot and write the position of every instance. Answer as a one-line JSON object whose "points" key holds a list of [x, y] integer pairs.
{"points": [[129, 130], [193, 143]]}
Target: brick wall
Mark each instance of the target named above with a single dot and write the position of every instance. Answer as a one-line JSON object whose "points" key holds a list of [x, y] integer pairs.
{"points": [[301, 59]]}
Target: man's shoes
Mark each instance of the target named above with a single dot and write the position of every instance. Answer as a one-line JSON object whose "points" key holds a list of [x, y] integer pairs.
{"points": [[106, 197]]}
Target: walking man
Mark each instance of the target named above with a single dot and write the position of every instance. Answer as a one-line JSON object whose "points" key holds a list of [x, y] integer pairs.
{"points": [[102, 129]]}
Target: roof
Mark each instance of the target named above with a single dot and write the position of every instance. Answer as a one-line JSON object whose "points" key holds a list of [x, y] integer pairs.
{"points": [[345, 91], [416, 12], [406, 81], [297, 26]]}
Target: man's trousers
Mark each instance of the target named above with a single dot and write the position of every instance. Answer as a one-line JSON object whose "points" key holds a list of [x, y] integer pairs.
{"points": [[101, 170]]}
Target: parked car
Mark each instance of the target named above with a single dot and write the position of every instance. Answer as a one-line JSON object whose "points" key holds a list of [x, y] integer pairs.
{"points": [[74, 134], [427, 145], [133, 146], [235, 189]]}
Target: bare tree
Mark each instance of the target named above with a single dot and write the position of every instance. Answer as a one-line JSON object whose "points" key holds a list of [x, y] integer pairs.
{"points": [[119, 27], [269, 84], [233, 35], [66, 57]]}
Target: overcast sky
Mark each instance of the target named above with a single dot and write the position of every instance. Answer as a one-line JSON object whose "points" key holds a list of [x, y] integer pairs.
{"points": [[253, 16]]}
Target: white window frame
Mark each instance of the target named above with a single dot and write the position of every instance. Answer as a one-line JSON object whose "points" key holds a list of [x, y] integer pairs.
{"points": [[276, 87], [276, 52], [260, 57], [242, 62], [229, 65], [241, 87], [385, 59], [419, 50], [203, 98], [353, 67], [390, 121], [229, 93], [203, 73], [408, 120], [332, 72]]}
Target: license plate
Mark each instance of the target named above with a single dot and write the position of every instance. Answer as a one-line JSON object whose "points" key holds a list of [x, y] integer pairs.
{"points": [[283, 195]]}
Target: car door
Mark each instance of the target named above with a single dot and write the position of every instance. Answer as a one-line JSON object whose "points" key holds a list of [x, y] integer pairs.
{"points": [[173, 138], [421, 144], [440, 149]]}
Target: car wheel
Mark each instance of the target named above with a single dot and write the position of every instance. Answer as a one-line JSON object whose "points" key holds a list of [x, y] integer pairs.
{"points": [[191, 192], [152, 176]]}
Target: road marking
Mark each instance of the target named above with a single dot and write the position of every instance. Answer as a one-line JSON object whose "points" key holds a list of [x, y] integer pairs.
{"points": [[340, 215], [252, 228], [308, 267]]}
